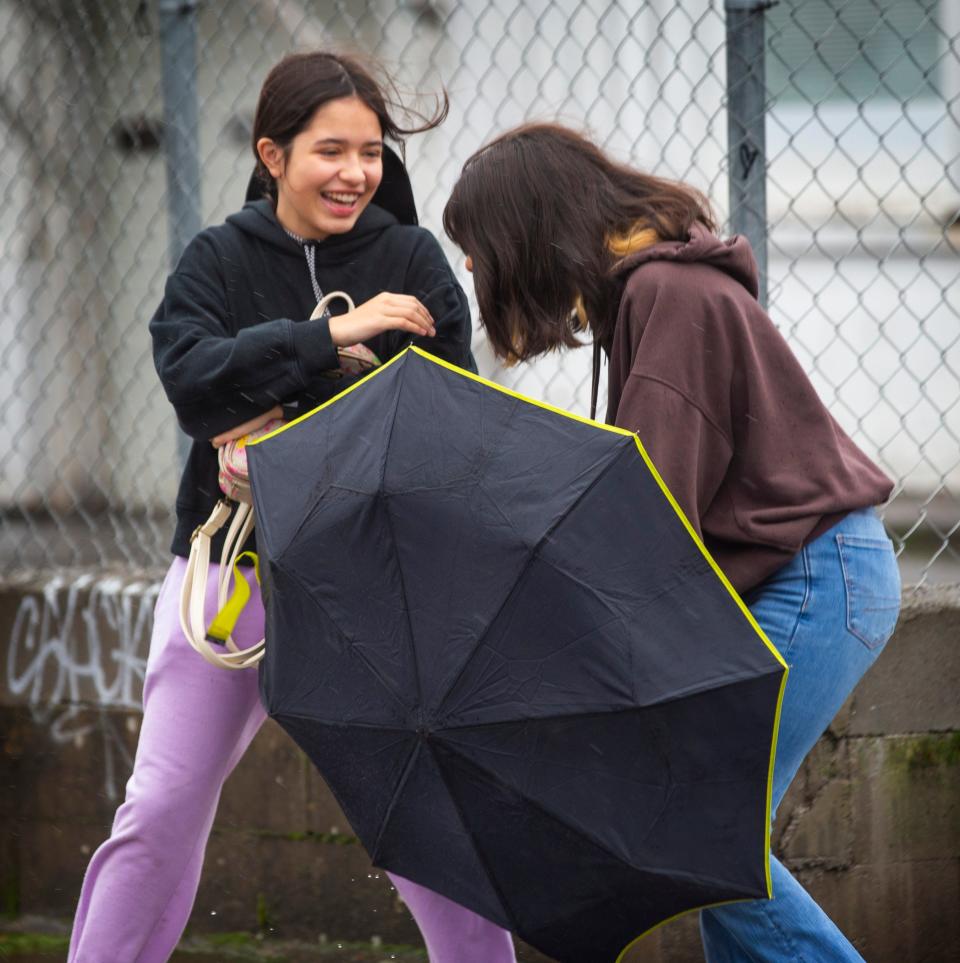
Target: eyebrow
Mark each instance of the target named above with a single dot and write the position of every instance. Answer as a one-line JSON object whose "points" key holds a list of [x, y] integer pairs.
{"points": [[341, 141]]}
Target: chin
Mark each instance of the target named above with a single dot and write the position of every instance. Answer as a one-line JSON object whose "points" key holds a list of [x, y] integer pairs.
{"points": [[340, 227], [335, 225]]}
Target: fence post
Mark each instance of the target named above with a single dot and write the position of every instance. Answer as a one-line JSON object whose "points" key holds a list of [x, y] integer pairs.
{"points": [[181, 145], [746, 126]]}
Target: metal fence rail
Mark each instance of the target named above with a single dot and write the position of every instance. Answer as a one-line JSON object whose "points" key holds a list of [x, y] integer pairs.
{"points": [[857, 167]]}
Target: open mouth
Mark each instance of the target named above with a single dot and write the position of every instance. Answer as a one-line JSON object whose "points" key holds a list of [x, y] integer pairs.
{"points": [[341, 202]]}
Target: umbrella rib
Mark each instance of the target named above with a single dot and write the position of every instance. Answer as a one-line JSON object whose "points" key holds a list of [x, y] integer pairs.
{"points": [[408, 766], [526, 568], [393, 536], [401, 782], [504, 902], [709, 685], [340, 724], [290, 573], [406, 608], [578, 831]]}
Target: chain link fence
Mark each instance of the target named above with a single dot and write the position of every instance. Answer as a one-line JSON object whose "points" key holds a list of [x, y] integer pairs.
{"points": [[863, 189]]}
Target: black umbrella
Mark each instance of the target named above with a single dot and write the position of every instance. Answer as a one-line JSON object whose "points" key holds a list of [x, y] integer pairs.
{"points": [[501, 644]]}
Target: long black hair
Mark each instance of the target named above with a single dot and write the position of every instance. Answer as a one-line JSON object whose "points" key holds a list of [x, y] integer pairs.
{"points": [[545, 215], [302, 83]]}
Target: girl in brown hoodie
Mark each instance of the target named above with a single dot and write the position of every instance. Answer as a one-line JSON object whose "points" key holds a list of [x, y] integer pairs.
{"points": [[560, 240]]}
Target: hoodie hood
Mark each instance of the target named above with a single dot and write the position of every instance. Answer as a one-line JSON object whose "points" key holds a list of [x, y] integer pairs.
{"points": [[733, 256]]}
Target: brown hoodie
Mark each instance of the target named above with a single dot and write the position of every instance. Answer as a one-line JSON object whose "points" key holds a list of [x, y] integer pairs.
{"points": [[732, 423]]}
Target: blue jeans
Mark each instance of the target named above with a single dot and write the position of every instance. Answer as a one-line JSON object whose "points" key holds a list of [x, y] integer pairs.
{"points": [[830, 612]]}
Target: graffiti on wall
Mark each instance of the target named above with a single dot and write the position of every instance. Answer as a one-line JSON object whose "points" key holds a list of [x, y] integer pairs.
{"points": [[78, 648]]}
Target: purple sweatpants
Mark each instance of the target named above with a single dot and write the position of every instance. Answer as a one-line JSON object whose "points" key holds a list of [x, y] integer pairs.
{"points": [[197, 722]]}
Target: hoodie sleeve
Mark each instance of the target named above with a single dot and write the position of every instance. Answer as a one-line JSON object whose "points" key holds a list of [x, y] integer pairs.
{"points": [[428, 277], [671, 383], [217, 378], [431, 279], [687, 448]]}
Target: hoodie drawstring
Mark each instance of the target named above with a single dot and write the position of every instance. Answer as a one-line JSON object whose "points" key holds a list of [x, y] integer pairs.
{"points": [[310, 253]]}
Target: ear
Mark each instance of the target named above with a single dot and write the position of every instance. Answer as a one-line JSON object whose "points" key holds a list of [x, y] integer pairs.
{"points": [[271, 155]]}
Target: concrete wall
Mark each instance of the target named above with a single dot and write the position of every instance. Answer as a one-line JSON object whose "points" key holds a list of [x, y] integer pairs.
{"points": [[871, 826]]}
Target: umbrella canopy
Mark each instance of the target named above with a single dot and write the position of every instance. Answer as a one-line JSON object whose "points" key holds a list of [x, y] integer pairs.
{"points": [[529, 687]]}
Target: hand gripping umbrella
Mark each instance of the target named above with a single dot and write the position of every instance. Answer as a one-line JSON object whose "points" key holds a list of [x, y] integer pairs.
{"points": [[529, 687]]}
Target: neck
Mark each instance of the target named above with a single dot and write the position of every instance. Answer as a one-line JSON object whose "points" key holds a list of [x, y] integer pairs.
{"points": [[293, 224]]}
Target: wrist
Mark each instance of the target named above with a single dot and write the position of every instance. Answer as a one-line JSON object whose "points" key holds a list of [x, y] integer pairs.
{"points": [[313, 348], [337, 333]]}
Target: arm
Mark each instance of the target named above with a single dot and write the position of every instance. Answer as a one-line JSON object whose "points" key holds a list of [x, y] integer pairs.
{"points": [[430, 280], [217, 379], [448, 304], [674, 366], [687, 447]]}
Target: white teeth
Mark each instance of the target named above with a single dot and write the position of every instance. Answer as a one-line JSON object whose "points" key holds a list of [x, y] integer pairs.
{"points": [[342, 198]]}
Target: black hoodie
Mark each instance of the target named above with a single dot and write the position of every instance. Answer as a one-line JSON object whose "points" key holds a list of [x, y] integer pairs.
{"points": [[231, 338]]}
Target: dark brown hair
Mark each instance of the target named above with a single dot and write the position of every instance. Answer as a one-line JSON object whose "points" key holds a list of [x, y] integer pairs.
{"points": [[535, 210], [302, 83]]}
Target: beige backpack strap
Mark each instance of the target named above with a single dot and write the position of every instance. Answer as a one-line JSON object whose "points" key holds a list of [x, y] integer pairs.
{"points": [[325, 301], [229, 605], [194, 588]]}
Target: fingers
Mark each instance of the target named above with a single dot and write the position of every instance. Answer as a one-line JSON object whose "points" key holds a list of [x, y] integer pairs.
{"points": [[218, 441], [410, 309], [385, 312]]}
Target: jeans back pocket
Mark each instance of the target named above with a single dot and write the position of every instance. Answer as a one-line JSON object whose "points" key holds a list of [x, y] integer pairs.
{"points": [[872, 587]]}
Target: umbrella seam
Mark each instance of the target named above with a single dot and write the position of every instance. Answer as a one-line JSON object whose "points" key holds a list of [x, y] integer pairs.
{"points": [[401, 782], [477, 486], [317, 499], [720, 682], [695, 877], [625, 449], [381, 497], [406, 606], [350, 643], [340, 722], [504, 903], [342, 803]]}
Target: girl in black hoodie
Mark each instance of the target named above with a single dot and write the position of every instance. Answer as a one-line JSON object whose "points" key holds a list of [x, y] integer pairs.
{"points": [[233, 348]]}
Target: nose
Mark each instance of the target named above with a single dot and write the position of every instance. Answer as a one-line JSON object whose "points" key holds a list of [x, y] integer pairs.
{"points": [[352, 171]]}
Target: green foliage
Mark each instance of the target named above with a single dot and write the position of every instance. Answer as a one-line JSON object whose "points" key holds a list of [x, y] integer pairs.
{"points": [[925, 753], [15, 944], [264, 922]]}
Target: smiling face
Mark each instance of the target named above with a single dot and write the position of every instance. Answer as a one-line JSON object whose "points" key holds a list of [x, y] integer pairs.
{"points": [[330, 170]]}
